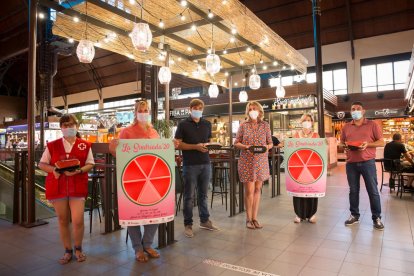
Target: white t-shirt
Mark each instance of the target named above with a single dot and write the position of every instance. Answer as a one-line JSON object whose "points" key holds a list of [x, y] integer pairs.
{"points": [[46, 157]]}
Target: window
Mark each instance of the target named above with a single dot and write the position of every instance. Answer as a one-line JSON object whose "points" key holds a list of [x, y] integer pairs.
{"points": [[83, 108], [334, 78], [384, 73]]}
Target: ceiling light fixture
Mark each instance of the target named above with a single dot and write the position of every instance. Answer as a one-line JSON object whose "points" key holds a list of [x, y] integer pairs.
{"points": [[161, 24], [71, 40], [193, 27], [184, 3], [182, 17], [234, 31], [210, 14], [164, 75], [76, 19], [225, 52], [232, 39], [213, 90], [243, 97], [254, 80], [189, 49], [249, 49], [41, 15], [275, 63]]}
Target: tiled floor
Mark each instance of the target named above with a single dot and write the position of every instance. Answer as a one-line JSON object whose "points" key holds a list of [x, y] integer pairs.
{"points": [[282, 247]]}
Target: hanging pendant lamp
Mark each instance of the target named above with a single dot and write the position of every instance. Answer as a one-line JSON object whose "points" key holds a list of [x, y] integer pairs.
{"points": [[243, 97], [213, 90], [164, 75], [254, 80], [141, 37], [212, 61], [85, 51], [280, 90]]}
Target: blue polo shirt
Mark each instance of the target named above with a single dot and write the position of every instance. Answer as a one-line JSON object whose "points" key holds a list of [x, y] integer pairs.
{"points": [[191, 132]]}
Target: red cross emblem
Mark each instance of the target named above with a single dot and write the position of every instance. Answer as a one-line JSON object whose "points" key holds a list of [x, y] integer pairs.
{"points": [[82, 146]]}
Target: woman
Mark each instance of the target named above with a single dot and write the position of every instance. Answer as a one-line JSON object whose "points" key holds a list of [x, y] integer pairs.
{"points": [[140, 129], [67, 191], [253, 168], [305, 208]]}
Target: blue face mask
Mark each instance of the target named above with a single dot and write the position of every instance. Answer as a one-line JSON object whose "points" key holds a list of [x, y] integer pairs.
{"points": [[196, 114], [69, 132], [356, 115]]}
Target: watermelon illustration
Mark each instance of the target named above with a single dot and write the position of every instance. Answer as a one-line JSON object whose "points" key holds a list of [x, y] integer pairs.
{"points": [[146, 179], [305, 166]]}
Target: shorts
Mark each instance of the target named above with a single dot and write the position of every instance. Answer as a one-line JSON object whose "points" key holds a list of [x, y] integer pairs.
{"points": [[67, 198]]}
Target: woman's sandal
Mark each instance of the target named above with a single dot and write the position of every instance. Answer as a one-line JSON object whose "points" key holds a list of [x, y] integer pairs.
{"points": [[152, 252], [67, 257], [257, 224], [141, 257], [250, 224], [80, 257]]}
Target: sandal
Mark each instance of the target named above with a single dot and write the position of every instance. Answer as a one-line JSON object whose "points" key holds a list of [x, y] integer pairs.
{"points": [[141, 257], [312, 219], [257, 224], [67, 257], [152, 252], [297, 219], [250, 224], [80, 257]]}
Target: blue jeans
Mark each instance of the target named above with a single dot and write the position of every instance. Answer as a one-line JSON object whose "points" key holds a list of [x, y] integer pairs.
{"points": [[139, 240], [369, 172], [196, 176]]}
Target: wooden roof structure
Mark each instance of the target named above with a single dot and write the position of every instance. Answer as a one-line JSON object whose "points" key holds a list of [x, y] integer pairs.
{"points": [[239, 37]]}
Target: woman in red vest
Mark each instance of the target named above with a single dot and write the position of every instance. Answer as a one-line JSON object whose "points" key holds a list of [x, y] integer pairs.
{"points": [[67, 190], [305, 208], [140, 129]]}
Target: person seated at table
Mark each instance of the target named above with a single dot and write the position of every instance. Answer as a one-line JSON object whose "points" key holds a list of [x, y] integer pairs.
{"points": [[395, 150], [140, 129], [253, 168], [67, 190]]}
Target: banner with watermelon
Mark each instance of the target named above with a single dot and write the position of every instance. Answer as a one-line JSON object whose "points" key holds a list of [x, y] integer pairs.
{"points": [[306, 167], [145, 181]]}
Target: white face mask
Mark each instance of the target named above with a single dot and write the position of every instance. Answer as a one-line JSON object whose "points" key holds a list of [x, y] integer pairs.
{"points": [[254, 114], [307, 124], [142, 117]]}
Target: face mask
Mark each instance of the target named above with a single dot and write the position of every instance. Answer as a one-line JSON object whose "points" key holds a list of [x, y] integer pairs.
{"points": [[69, 132], [356, 115], [142, 117], [254, 114], [307, 124], [196, 114]]}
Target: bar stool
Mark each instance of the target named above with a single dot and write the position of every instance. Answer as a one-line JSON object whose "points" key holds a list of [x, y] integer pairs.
{"points": [[220, 180], [95, 198]]}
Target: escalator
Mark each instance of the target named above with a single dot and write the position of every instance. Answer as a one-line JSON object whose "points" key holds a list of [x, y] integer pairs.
{"points": [[43, 208]]}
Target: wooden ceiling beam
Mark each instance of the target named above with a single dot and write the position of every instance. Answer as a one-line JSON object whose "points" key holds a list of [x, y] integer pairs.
{"points": [[227, 30]]}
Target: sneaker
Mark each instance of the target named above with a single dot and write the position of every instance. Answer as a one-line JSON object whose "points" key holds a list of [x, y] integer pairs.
{"points": [[188, 232], [352, 220], [208, 225], [378, 224]]}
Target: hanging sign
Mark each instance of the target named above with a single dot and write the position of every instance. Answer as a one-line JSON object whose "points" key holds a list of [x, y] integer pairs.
{"points": [[306, 163], [146, 181]]}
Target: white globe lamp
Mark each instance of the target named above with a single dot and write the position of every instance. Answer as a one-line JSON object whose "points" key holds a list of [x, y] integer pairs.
{"points": [[212, 64], [213, 90], [243, 97], [254, 81], [164, 75], [85, 51], [280, 92], [141, 37]]}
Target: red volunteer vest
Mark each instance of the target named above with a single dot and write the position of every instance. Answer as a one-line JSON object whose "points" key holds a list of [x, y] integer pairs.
{"points": [[67, 186]]}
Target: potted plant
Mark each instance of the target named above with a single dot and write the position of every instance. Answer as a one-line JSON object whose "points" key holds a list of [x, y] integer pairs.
{"points": [[164, 128]]}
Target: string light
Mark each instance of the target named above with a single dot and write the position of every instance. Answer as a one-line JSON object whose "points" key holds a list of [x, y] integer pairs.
{"points": [[106, 39], [275, 63], [284, 67], [193, 27], [249, 49], [232, 39], [241, 61], [184, 3], [179, 59], [161, 24], [189, 48], [71, 40], [225, 52], [210, 14], [236, 84], [224, 2], [234, 31], [41, 15], [265, 67], [172, 62], [132, 2], [261, 61], [226, 74], [76, 19], [182, 16], [292, 67]]}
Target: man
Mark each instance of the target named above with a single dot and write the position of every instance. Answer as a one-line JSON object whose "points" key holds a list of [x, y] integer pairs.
{"points": [[192, 134], [362, 162], [394, 150]]}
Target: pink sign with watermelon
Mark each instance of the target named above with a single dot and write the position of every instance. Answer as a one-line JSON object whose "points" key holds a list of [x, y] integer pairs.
{"points": [[306, 167], [146, 181]]}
